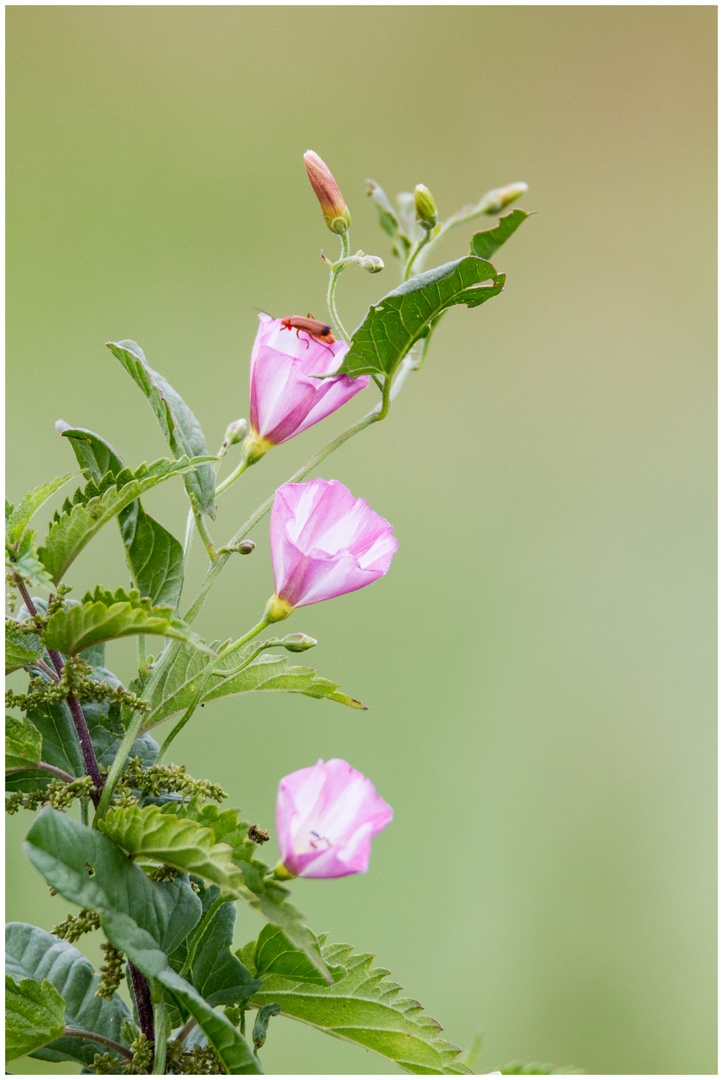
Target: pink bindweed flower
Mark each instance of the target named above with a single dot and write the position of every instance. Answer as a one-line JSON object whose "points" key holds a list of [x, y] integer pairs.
{"points": [[326, 816], [324, 543], [285, 398]]}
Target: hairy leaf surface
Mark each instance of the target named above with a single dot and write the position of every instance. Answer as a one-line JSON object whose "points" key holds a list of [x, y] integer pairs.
{"points": [[406, 314], [365, 1007], [21, 647], [178, 424], [34, 1015], [23, 743], [34, 953]]}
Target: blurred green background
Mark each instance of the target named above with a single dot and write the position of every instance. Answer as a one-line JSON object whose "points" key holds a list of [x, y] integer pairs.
{"points": [[539, 662]]}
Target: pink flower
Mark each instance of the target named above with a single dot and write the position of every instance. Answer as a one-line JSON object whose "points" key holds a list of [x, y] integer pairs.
{"points": [[324, 543], [326, 816], [285, 398]]}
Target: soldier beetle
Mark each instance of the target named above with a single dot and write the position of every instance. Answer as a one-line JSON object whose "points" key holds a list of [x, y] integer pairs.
{"points": [[312, 326]]}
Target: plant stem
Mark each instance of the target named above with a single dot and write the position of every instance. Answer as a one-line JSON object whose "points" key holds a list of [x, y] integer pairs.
{"points": [[142, 996], [160, 1023], [44, 767], [205, 535], [330, 295], [81, 1033], [185, 1031], [233, 477], [421, 243]]}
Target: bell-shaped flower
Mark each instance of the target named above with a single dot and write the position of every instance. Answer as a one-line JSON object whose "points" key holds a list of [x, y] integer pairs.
{"points": [[326, 816], [285, 398], [324, 543]]}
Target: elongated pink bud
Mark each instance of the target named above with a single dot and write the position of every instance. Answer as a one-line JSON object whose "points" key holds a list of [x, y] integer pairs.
{"points": [[331, 200]]}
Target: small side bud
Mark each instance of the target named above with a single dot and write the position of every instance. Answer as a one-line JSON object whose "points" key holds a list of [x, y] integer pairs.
{"points": [[298, 642], [496, 200], [236, 432], [331, 200], [246, 547], [425, 207], [372, 263]]}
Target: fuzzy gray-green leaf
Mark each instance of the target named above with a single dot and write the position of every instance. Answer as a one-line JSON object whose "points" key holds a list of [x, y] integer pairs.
{"points": [[34, 1015]]}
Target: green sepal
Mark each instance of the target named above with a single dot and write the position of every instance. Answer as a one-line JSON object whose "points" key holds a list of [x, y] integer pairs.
{"points": [[34, 953], [106, 616], [365, 1008], [154, 555], [485, 244], [180, 427], [23, 743], [34, 1016], [406, 314]]}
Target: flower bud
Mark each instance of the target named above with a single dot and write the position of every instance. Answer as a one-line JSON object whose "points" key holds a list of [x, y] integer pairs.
{"points": [[372, 263], [246, 547], [299, 642], [331, 200], [236, 432], [425, 207], [496, 200]]}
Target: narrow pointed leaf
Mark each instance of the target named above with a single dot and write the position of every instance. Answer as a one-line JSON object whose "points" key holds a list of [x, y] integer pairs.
{"points": [[485, 244], [136, 916], [81, 520], [267, 673], [155, 556], [18, 517], [34, 953], [23, 743], [365, 1008], [406, 314], [34, 1015], [180, 427]]}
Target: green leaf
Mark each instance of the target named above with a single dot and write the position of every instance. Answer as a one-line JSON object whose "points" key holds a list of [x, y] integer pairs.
{"points": [[275, 955], [180, 427], [365, 1008], [178, 686], [23, 559], [34, 953], [406, 314], [155, 556], [22, 649], [107, 616], [535, 1068], [87, 868], [261, 1024], [485, 244], [95, 505], [269, 896], [23, 743], [387, 216], [18, 517], [34, 1015]]}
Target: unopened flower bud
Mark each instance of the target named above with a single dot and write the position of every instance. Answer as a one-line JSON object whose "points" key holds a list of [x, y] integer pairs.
{"points": [[331, 200], [246, 547], [372, 263], [496, 200], [299, 642], [425, 207], [236, 432]]}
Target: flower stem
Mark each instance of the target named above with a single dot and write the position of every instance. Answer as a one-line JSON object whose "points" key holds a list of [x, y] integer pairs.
{"points": [[233, 477], [44, 767], [160, 1025], [205, 535], [421, 243], [330, 295]]}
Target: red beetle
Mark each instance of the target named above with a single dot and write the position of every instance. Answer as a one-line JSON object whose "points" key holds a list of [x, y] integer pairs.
{"points": [[314, 327]]}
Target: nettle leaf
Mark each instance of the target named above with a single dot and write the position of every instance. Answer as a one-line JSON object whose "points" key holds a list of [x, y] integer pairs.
{"points": [[405, 315], [275, 955], [267, 673], [485, 244], [269, 896], [365, 1008], [87, 868], [105, 616], [155, 556], [22, 649], [23, 559], [23, 743], [32, 953], [34, 1015], [17, 518], [95, 505], [180, 427]]}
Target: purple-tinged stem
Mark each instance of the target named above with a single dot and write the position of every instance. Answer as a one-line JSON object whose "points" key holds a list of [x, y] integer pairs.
{"points": [[142, 995]]}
